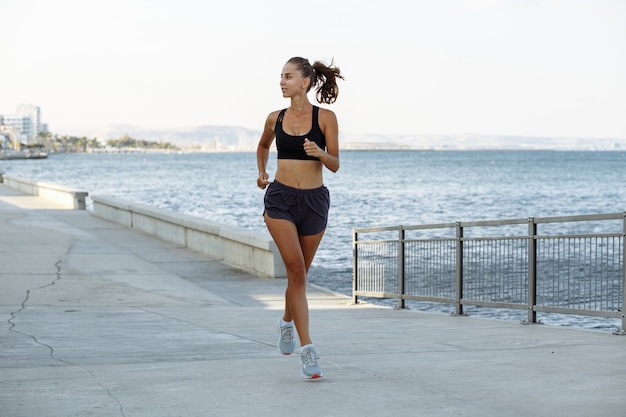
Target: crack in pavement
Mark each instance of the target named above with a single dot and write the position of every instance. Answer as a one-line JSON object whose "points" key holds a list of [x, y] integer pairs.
{"points": [[12, 328]]}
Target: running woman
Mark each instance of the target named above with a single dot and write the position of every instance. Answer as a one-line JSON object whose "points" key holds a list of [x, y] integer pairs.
{"points": [[297, 201]]}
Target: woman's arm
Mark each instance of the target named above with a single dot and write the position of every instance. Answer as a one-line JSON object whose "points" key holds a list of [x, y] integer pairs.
{"points": [[330, 157], [263, 149]]}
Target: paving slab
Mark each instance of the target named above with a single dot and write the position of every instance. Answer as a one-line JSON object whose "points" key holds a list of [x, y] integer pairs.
{"points": [[99, 320]]}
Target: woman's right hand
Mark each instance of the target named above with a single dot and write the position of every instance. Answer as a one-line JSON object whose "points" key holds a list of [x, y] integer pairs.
{"points": [[262, 180]]}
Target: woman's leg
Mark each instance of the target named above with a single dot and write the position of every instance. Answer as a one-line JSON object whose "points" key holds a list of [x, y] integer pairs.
{"points": [[297, 253]]}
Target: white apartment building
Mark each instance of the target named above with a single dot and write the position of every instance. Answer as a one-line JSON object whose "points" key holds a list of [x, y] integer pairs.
{"points": [[26, 122], [34, 112]]}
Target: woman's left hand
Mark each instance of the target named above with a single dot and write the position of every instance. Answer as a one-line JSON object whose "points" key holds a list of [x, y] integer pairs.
{"points": [[311, 149]]}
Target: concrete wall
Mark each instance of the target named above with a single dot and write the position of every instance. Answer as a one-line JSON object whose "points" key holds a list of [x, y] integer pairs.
{"points": [[252, 251], [65, 196]]}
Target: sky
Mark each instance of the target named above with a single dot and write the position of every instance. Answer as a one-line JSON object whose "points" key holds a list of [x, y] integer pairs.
{"points": [[534, 68]]}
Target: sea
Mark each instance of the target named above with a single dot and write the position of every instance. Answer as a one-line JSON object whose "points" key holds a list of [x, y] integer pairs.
{"points": [[372, 188]]}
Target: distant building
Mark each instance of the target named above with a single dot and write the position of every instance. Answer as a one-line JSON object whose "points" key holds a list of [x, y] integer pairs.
{"points": [[4, 139], [34, 113], [23, 124], [26, 122]]}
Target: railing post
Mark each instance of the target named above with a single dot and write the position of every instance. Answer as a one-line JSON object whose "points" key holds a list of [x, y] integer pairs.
{"points": [[355, 264], [401, 274], [623, 331], [532, 270], [459, 269]]}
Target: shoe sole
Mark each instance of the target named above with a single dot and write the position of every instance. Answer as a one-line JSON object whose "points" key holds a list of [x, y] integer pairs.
{"points": [[314, 376]]}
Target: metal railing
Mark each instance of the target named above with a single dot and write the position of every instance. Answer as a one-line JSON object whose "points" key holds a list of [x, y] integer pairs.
{"points": [[575, 266]]}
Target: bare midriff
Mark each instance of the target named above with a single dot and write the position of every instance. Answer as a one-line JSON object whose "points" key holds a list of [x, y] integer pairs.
{"points": [[299, 174]]}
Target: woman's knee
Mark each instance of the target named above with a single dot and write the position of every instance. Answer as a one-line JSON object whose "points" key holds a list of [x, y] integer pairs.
{"points": [[296, 275]]}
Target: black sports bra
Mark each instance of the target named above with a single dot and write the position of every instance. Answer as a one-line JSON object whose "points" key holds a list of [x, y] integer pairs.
{"points": [[292, 147]]}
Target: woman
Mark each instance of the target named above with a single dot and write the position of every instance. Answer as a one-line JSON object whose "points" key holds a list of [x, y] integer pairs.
{"points": [[297, 202]]}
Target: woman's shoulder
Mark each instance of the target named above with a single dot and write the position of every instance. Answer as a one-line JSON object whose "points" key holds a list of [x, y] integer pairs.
{"points": [[273, 116], [325, 111], [326, 114]]}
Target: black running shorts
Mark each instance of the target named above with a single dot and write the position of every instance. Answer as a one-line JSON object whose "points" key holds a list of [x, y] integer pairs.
{"points": [[307, 209]]}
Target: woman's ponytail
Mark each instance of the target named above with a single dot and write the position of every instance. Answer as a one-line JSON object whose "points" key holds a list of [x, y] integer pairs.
{"points": [[323, 77]]}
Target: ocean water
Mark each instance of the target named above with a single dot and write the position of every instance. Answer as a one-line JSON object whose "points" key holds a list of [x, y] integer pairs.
{"points": [[372, 188]]}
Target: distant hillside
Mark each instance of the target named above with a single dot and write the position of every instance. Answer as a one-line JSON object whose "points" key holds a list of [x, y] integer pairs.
{"points": [[201, 138], [231, 138]]}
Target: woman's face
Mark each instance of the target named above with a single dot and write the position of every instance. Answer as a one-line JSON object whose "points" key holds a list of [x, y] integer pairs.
{"points": [[291, 81]]}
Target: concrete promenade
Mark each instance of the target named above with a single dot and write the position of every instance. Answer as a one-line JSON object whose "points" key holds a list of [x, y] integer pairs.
{"points": [[99, 320]]}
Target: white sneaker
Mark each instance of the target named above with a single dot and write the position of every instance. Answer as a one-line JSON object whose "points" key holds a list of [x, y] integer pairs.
{"points": [[286, 338], [310, 369]]}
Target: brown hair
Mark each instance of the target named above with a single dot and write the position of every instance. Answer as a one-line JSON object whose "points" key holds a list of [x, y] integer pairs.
{"points": [[322, 76]]}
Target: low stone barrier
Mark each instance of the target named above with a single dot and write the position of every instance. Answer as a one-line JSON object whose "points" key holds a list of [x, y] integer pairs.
{"points": [[66, 196], [252, 251]]}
